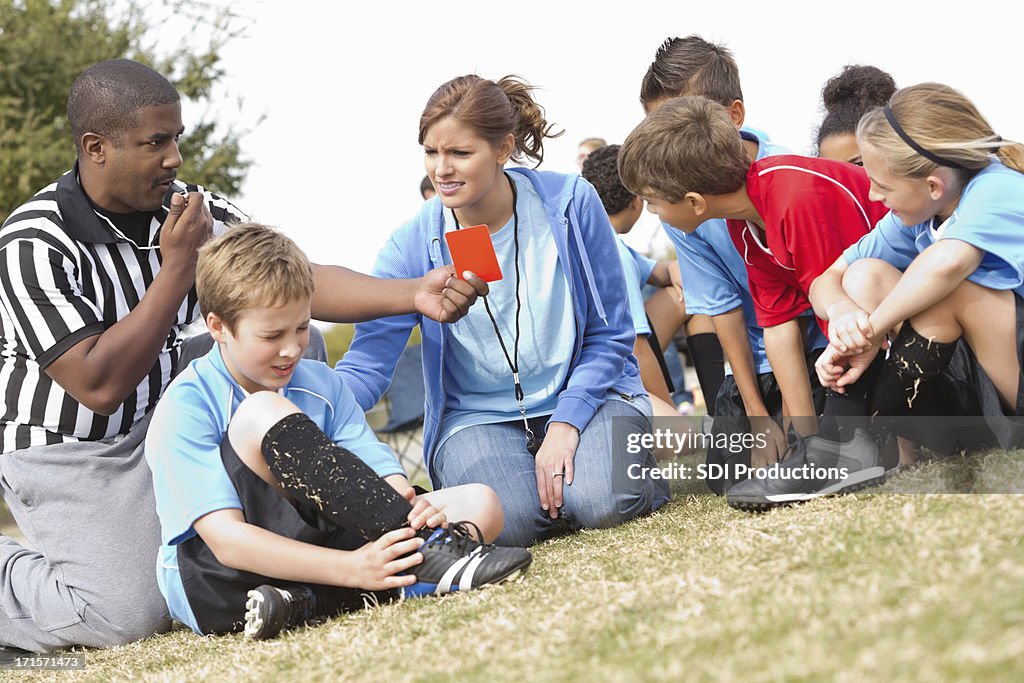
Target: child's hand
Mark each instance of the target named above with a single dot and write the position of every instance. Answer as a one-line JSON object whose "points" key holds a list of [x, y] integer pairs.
{"points": [[423, 513], [856, 364], [849, 328], [377, 565], [775, 443], [837, 370], [830, 367]]}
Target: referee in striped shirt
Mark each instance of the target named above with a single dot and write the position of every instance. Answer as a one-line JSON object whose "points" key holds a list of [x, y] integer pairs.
{"points": [[96, 285]]}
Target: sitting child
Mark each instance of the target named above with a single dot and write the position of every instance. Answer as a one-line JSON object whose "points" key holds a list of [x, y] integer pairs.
{"points": [[624, 208], [277, 503]]}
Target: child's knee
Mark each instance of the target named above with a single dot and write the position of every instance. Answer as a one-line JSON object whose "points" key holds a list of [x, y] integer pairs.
{"points": [[492, 515], [869, 278], [476, 502], [253, 419]]}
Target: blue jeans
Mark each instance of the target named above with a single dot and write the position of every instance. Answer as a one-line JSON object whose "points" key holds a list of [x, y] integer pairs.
{"points": [[496, 455]]}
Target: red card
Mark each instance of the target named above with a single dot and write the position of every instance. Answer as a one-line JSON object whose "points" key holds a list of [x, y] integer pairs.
{"points": [[473, 250]]}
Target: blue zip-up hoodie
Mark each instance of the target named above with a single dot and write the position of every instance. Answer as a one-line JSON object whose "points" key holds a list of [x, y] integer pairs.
{"points": [[602, 356]]}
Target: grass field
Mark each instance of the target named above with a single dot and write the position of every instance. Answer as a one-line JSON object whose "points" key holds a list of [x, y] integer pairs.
{"points": [[871, 587]]}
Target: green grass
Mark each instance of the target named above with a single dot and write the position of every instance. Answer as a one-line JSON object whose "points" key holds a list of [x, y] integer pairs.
{"points": [[867, 587]]}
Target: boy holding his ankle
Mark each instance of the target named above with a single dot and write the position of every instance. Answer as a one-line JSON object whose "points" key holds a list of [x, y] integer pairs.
{"points": [[277, 503]]}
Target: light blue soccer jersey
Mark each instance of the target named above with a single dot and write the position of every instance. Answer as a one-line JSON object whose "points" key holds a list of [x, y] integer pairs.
{"points": [[183, 450], [989, 216], [637, 268]]}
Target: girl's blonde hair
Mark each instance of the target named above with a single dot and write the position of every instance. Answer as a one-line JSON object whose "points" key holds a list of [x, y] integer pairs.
{"points": [[942, 122]]}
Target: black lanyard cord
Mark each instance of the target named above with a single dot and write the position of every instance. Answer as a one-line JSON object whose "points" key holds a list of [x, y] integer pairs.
{"points": [[513, 360], [532, 443]]}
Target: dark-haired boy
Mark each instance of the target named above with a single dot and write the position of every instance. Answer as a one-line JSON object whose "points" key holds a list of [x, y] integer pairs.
{"points": [[789, 217], [601, 168], [713, 274]]}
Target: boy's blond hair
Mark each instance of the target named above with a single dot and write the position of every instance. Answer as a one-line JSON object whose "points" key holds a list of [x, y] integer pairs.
{"points": [[248, 266], [689, 144]]}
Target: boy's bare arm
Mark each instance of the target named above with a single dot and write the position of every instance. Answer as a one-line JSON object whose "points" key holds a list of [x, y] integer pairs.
{"points": [[660, 276], [785, 346], [731, 329], [246, 547]]}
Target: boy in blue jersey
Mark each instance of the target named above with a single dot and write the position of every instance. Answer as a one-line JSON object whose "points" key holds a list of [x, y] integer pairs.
{"points": [[278, 505], [624, 208], [714, 276]]}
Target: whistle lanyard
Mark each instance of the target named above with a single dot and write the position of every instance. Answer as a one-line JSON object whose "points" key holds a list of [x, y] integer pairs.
{"points": [[532, 444]]}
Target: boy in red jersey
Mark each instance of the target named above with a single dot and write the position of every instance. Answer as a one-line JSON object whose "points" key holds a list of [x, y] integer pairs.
{"points": [[789, 216]]}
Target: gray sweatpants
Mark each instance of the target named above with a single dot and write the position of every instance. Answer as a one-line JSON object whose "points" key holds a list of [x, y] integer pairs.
{"points": [[87, 510]]}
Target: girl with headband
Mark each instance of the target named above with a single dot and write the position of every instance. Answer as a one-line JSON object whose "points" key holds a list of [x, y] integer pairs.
{"points": [[942, 272]]}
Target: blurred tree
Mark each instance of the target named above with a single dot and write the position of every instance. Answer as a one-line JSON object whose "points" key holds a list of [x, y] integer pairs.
{"points": [[339, 337], [45, 44]]}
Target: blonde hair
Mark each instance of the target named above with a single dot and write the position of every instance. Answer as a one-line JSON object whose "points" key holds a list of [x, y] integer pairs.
{"points": [[689, 144], [250, 265], [945, 124]]}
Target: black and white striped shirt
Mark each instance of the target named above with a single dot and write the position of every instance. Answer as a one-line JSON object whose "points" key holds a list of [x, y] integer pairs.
{"points": [[67, 273]]}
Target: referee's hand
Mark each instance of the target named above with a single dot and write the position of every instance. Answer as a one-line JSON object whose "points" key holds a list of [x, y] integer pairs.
{"points": [[187, 227]]}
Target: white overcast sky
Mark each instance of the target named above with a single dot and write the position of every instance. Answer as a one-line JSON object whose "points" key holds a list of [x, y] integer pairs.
{"points": [[340, 86]]}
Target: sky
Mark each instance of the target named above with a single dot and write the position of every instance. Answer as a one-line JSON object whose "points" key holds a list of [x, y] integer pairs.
{"points": [[332, 92]]}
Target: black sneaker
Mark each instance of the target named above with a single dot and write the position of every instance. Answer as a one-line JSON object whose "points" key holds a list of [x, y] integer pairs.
{"points": [[10, 655], [453, 560], [270, 610], [815, 467]]}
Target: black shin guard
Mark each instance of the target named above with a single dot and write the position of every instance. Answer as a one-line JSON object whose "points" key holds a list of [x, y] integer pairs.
{"points": [[844, 413], [709, 361], [913, 360], [341, 486]]}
